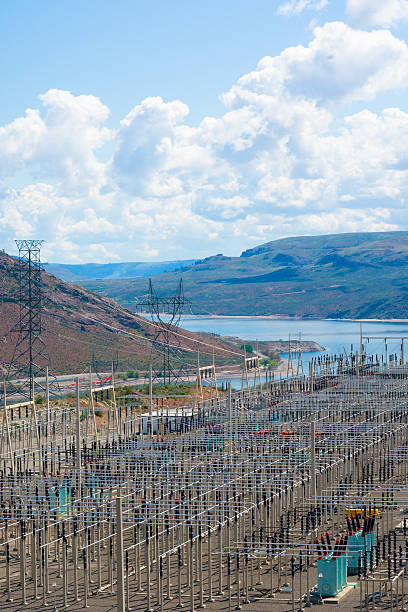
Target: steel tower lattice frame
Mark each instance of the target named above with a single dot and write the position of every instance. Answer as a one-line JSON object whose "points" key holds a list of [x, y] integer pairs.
{"points": [[29, 347], [166, 340]]}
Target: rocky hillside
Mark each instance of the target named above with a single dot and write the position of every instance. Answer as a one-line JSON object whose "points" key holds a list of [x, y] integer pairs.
{"points": [[359, 275], [80, 327]]}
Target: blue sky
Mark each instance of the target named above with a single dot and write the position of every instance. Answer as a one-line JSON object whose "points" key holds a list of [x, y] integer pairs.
{"points": [[161, 130], [128, 50]]}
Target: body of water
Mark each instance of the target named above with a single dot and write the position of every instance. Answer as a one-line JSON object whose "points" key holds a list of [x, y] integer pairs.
{"points": [[335, 336]]}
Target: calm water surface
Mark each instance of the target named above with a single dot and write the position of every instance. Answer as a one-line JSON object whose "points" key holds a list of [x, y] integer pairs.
{"points": [[334, 336]]}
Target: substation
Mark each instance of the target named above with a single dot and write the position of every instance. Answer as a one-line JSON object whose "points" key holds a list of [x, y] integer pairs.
{"points": [[283, 496]]}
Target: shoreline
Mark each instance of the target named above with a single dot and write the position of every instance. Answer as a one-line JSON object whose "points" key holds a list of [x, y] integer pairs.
{"points": [[286, 318], [281, 368], [363, 320]]}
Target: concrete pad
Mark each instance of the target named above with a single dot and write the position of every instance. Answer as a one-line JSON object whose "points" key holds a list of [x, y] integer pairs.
{"points": [[336, 600]]}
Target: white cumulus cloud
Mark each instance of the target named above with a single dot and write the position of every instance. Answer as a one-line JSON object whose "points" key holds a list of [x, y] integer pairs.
{"points": [[284, 158], [59, 145], [377, 13], [340, 64]]}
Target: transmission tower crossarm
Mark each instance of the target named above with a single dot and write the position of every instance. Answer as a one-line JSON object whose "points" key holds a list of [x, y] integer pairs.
{"points": [[30, 352], [166, 330]]}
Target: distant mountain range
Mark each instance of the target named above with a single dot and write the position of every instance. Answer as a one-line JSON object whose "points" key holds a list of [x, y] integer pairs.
{"points": [[358, 275], [81, 329], [72, 273]]}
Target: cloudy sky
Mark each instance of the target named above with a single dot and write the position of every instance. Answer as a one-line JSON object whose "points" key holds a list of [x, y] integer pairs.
{"points": [[133, 131]]}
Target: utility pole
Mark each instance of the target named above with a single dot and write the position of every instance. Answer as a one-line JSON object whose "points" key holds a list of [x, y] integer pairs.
{"points": [[78, 427], [151, 401]]}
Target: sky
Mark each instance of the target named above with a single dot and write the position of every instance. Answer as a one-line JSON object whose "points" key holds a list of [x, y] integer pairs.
{"points": [[141, 130]]}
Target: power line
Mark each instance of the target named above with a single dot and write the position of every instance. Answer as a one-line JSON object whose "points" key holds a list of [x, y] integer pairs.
{"points": [[173, 306], [176, 333]]}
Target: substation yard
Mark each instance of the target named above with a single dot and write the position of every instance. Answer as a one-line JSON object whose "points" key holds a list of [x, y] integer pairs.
{"points": [[257, 500]]}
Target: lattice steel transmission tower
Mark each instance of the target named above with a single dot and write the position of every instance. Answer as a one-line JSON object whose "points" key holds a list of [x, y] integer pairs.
{"points": [[30, 348], [166, 341]]}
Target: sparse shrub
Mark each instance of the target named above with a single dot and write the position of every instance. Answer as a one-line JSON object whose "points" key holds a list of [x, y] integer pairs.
{"points": [[124, 390], [268, 363], [172, 389], [247, 347], [132, 374]]}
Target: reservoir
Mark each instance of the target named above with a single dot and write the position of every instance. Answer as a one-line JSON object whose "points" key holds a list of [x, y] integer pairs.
{"points": [[335, 336]]}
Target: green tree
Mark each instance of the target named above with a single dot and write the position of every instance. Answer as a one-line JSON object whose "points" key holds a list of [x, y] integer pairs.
{"points": [[247, 347]]}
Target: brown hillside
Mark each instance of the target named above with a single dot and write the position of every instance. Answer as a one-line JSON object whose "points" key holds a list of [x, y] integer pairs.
{"points": [[78, 324]]}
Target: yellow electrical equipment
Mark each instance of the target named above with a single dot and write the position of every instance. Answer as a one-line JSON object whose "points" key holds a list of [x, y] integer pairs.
{"points": [[363, 511]]}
